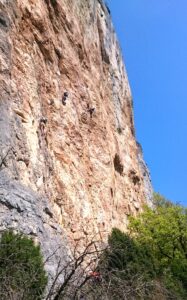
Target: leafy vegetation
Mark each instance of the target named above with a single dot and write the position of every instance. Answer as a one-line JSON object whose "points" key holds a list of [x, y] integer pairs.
{"points": [[154, 254], [22, 274], [164, 232]]}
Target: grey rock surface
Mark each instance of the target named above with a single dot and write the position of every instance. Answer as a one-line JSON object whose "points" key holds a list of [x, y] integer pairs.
{"points": [[146, 176], [23, 211]]}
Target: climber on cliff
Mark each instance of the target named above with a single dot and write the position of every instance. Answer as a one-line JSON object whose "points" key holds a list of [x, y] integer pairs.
{"points": [[42, 130], [42, 124], [43, 120], [64, 98], [96, 277], [91, 111]]}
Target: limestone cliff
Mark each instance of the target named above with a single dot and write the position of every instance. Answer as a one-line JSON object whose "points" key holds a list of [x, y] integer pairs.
{"points": [[70, 164]]}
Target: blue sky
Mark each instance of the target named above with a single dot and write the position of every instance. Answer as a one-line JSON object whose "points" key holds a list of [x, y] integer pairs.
{"points": [[153, 38]]}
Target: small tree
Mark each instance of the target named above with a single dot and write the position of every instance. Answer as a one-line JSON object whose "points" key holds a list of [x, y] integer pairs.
{"points": [[22, 274], [163, 230]]}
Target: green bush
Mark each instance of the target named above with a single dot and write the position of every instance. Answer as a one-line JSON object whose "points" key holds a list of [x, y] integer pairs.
{"points": [[125, 253], [164, 231], [22, 274], [150, 261]]}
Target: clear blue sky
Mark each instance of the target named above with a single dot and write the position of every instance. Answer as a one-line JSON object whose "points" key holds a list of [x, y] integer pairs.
{"points": [[153, 38]]}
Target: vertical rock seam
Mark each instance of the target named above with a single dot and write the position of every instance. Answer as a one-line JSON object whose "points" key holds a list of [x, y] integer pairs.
{"points": [[70, 166]]}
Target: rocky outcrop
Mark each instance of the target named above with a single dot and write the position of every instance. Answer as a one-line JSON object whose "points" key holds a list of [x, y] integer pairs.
{"points": [[69, 163], [146, 177], [23, 210]]}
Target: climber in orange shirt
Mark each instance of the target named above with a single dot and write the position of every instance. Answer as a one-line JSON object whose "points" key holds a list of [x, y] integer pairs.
{"points": [[96, 276]]}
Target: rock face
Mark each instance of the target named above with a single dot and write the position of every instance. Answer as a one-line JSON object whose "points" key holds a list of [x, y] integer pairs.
{"points": [[67, 141]]}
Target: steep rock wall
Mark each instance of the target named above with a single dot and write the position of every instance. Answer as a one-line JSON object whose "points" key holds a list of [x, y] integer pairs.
{"points": [[85, 173]]}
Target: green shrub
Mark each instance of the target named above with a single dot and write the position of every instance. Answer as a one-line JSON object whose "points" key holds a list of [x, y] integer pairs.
{"points": [[164, 231], [125, 253], [150, 261], [22, 273]]}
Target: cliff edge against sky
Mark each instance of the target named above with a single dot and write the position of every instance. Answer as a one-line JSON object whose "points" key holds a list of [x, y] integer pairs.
{"points": [[70, 165]]}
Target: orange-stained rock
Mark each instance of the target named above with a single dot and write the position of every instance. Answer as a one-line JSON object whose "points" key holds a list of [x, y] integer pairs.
{"points": [[88, 166]]}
